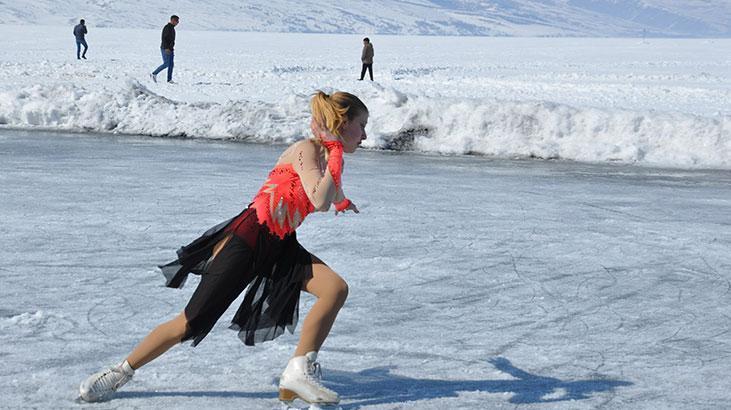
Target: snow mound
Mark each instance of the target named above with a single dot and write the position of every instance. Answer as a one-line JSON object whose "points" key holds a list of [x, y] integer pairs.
{"points": [[399, 121], [541, 129], [27, 321], [137, 110]]}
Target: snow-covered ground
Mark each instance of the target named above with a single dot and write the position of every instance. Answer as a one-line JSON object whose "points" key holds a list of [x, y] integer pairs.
{"points": [[602, 18], [475, 282], [660, 102]]}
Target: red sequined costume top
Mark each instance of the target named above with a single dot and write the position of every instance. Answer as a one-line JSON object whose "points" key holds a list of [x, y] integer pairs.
{"points": [[275, 263], [298, 186]]}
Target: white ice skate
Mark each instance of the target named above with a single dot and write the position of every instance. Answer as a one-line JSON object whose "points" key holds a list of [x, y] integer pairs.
{"points": [[100, 386], [301, 380]]}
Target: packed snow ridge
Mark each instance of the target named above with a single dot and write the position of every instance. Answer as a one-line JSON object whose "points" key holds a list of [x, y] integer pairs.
{"points": [[603, 18], [398, 121]]}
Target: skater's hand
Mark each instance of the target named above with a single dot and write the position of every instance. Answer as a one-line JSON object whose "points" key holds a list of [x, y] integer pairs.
{"points": [[351, 207]]}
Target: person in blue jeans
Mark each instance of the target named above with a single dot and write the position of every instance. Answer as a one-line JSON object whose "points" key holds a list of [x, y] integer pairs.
{"points": [[80, 33], [167, 49]]}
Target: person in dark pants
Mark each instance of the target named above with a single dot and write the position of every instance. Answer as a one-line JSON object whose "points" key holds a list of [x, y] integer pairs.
{"points": [[167, 49], [80, 33], [366, 57]]}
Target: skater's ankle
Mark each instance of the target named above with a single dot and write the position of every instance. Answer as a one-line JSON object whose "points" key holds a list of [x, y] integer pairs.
{"points": [[134, 364], [304, 352], [127, 368]]}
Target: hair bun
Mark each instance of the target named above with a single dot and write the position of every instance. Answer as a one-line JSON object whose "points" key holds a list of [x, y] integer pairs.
{"points": [[331, 111]]}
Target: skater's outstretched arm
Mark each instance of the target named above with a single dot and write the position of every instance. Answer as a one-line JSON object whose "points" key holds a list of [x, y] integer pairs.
{"points": [[322, 188]]}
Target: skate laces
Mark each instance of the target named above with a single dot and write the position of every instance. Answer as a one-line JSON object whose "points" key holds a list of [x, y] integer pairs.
{"points": [[111, 379], [317, 370], [314, 375]]}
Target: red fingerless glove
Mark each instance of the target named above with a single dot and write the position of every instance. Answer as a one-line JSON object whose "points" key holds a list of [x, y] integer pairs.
{"points": [[335, 159], [342, 205]]}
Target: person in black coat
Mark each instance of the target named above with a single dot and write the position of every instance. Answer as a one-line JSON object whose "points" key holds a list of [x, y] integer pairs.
{"points": [[80, 33], [167, 49]]}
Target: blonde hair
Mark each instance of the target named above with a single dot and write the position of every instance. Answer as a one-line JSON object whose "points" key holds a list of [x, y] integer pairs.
{"points": [[331, 111]]}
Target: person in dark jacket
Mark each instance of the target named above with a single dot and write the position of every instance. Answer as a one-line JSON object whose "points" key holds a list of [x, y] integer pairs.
{"points": [[167, 49], [80, 33], [366, 57]]}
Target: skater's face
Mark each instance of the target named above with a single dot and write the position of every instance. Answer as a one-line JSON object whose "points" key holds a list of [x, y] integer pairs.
{"points": [[174, 22], [353, 132]]}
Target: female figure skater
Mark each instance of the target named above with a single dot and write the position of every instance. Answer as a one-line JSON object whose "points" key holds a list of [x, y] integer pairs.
{"points": [[259, 248]]}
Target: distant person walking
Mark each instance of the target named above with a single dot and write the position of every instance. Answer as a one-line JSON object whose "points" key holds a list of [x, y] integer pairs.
{"points": [[366, 57], [167, 49], [80, 34]]}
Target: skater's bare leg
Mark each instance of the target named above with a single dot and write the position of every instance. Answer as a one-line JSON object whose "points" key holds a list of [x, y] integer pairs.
{"points": [[159, 341], [331, 292], [167, 335]]}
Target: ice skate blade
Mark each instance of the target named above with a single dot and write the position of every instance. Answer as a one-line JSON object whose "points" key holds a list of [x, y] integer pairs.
{"points": [[287, 397], [291, 406], [81, 400], [324, 407]]}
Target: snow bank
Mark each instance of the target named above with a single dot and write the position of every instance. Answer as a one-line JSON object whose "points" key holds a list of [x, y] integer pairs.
{"points": [[548, 130], [398, 121], [23, 323], [23, 319], [137, 110]]}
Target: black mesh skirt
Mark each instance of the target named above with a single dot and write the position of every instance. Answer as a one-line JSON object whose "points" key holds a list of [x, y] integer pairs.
{"points": [[269, 269]]}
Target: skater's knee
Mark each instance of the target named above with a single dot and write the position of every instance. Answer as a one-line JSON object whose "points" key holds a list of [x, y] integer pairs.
{"points": [[184, 325], [179, 326], [340, 292]]}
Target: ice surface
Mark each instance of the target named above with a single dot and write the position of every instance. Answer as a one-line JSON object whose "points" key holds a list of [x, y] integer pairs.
{"points": [[474, 282], [657, 102]]}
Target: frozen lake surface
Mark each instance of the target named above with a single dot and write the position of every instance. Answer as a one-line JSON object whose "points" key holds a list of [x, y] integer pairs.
{"points": [[475, 283]]}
